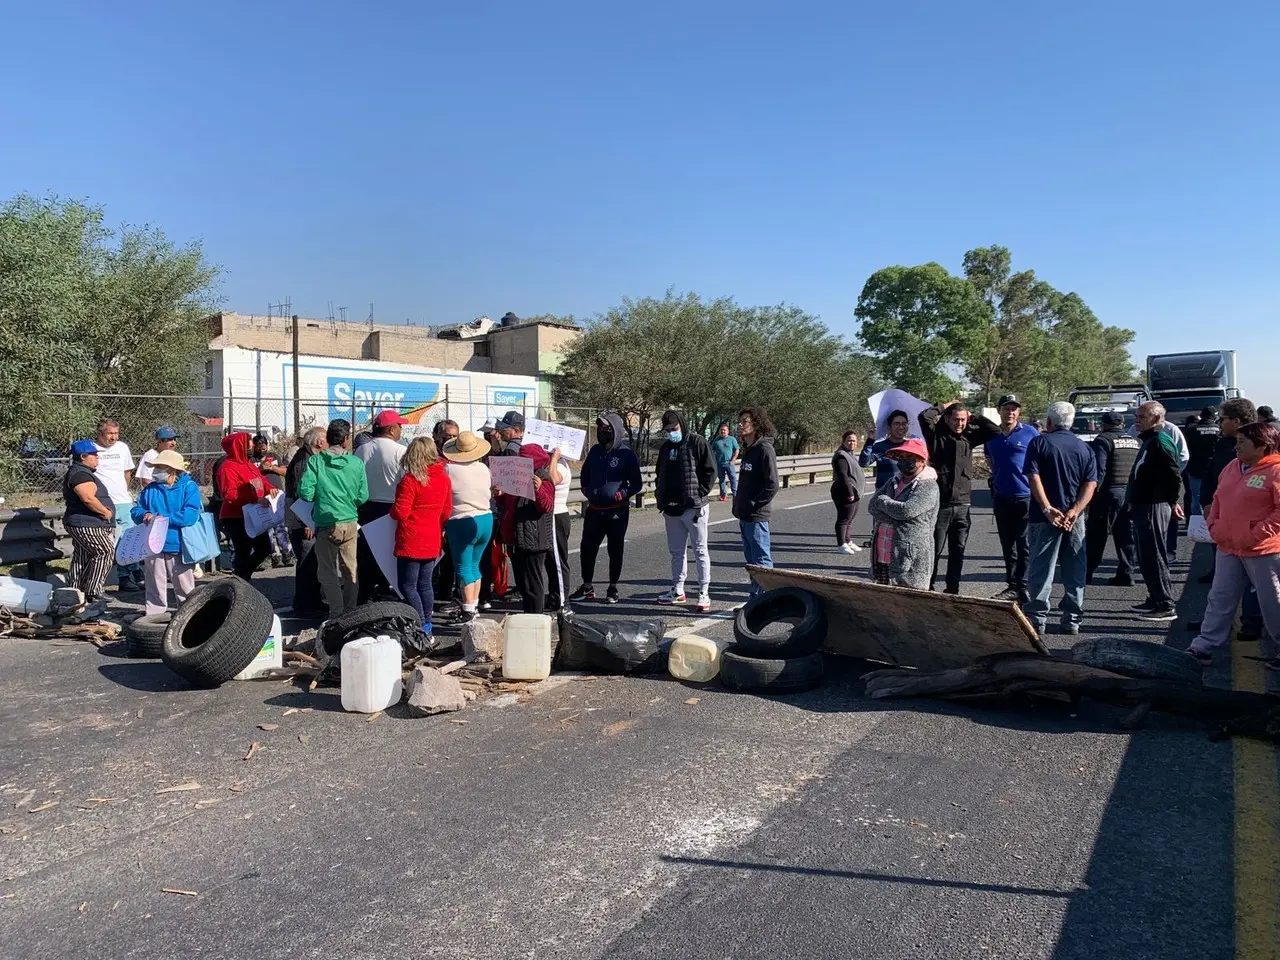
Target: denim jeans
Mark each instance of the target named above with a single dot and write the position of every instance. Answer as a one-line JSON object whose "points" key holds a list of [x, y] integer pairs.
{"points": [[724, 470], [1194, 484], [1047, 544], [755, 544], [416, 587]]}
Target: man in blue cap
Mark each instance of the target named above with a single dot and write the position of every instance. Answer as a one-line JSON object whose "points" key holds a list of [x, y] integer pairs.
{"points": [[166, 439]]}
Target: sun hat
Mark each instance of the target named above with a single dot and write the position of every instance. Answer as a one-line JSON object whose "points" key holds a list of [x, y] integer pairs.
{"points": [[169, 458], [465, 448]]}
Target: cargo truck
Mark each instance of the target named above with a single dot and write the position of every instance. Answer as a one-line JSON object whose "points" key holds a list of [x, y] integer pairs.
{"points": [[1186, 383]]}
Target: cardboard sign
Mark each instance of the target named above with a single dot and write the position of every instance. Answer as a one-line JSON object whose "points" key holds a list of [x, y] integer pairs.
{"points": [[886, 401], [513, 475], [302, 509], [549, 436], [143, 541]]}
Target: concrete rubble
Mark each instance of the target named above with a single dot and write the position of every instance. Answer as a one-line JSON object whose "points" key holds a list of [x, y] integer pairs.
{"points": [[432, 692], [482, 639]]}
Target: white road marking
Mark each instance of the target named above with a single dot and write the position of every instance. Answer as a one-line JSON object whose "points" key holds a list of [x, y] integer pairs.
{"points": [[579, 549], [702, 623], [716, 523], [801, 506]]}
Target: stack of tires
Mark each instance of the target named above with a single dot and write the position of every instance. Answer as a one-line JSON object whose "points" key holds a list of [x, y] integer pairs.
{"points": [[778, 637]]}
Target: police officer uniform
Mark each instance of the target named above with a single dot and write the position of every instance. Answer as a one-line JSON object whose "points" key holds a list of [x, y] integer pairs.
{"points": [[1115, 452]]}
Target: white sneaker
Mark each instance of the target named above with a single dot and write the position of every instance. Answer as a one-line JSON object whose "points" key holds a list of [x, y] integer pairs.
{"points": [[848, 548], [704, 603]]}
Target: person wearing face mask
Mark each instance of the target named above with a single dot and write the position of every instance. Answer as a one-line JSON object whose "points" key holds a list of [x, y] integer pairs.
{"points": [[903, 512], [609, 478], [685, 472], [171, 494]]}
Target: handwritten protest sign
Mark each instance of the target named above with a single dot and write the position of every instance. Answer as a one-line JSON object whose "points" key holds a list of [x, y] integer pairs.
{"points": [[550, 435], [143, 541], [886, 401], [513, 475]]}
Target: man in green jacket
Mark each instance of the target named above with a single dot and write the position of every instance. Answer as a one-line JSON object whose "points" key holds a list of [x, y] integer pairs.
{"points": [[335, 484]]}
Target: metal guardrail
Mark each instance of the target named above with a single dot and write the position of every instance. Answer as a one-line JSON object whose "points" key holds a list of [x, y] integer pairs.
{"points": [[35, 535]]}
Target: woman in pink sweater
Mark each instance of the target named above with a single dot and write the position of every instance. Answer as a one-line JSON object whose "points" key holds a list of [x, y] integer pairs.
{"points": [[1244, 521]]}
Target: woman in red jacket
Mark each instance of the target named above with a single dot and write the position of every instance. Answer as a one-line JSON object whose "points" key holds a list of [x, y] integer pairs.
{"points": [[239, 483], [424, 500], [1244, 521]]}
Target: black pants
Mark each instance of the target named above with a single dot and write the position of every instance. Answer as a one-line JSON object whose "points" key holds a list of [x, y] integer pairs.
{"points": [[845, 513], [952, 533], [1011, 523], [307, 598], [1172, 536], [558, 563], [530, 567], [370, 581], [1109, 517], [444, 575], [1151, 531], [597, 527], [249, 551]]}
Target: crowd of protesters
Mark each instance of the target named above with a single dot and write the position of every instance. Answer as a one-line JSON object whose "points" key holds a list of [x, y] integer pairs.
{"points": [[461, 543]]}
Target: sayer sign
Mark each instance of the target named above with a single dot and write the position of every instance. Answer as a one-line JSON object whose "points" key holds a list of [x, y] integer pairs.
{"points": [[372, 396]]}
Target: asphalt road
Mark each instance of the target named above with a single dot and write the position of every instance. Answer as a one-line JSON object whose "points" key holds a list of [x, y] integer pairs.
{"points": [[631, 817]]}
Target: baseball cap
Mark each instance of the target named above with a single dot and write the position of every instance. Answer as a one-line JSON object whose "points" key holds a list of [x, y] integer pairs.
{"points": [[1112, 419], [913, 447], [1010, 398], [1209, 413], [670, 419], [512, 418], [82, 448], [166, 433], [388, 418]]}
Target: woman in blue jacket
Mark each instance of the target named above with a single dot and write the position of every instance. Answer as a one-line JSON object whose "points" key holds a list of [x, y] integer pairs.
{"points": [[171, 494]]}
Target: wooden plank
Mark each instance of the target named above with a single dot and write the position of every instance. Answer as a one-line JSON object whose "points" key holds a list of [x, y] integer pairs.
{"points": [[909, 628]]}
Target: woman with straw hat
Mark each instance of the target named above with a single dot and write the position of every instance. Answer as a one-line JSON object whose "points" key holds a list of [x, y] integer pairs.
{"points": [[471, 521], [171, 494]]}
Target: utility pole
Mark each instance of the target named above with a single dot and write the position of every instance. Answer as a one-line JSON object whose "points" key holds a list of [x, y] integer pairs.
{"points": [[297, 399]]}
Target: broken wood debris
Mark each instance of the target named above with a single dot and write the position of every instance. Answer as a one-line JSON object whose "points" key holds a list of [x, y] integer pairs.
{"points": [[180, 893], [253, 750], [180, 788]]}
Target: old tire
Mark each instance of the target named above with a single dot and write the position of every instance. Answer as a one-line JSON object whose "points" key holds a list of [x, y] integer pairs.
{"points": [[1138, 658], [144, 638], [797, 640], [217, 632], [757, 675], [337, 631]]}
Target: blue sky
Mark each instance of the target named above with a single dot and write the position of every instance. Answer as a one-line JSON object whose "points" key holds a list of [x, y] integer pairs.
{"points": [[446, 163]]}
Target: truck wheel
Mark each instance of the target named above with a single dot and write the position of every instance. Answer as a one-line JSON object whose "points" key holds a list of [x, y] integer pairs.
{"points": [[1138, 658], [217, 632], [756, 675], [753, 638], [144, 638]]}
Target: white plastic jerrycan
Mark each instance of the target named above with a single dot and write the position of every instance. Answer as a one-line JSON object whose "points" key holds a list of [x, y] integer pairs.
{"points": [[370, 674], [270, 657], [526, 646], [694, 658]]}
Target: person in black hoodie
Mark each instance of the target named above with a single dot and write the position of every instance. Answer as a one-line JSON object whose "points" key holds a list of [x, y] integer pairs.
{"points": [[686, 470], [951, 433], [609, 478], [757, 486], [846, 490]]}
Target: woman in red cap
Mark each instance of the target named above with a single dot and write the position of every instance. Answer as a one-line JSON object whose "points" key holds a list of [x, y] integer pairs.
{"points": [[904, 511]]}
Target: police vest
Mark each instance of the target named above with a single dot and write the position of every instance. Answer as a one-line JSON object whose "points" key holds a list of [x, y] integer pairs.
{"points": [[1122, 452]]}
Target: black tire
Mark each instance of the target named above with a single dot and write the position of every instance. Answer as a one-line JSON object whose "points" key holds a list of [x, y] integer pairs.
{"points": [[800, 640], [144, 638], [217, 632], [335, 632], [1138, 658], [756, 675]]}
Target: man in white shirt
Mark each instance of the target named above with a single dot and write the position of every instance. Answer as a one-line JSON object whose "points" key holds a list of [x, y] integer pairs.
{"points": [[166, 439], [381, 456], [115, 471]]}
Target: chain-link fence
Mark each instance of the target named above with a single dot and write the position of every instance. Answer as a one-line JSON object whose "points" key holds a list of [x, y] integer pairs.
{"points": [[32, 471]]}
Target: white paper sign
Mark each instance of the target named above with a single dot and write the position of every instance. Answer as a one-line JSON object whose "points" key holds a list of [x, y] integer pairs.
{"points": [[302, 509], [143, 541], [380, 536], [513, 475], [550, 435], [886, 401], [262, 516]]}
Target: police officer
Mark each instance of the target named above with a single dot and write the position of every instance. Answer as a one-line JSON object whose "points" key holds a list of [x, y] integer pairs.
{"points": [[1115, 452]]}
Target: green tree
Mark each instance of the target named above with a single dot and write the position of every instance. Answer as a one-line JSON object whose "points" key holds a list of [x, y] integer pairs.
{"points": [[917, 321], [88, 309]]}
